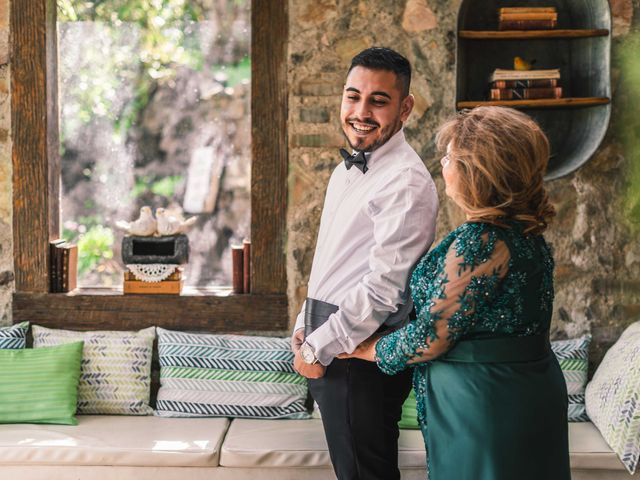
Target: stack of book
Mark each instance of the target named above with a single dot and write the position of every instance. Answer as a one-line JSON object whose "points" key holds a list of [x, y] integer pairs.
{"points": [[63, 266], [172, 285], [524, 84], [527, 18]]}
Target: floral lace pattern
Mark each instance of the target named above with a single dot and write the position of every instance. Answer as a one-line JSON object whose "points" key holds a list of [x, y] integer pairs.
{"points": [[482, 279]]}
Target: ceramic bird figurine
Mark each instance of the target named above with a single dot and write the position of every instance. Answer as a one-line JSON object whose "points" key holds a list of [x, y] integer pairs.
{"points": [[144, 226], [169, 224], [520, 63]]}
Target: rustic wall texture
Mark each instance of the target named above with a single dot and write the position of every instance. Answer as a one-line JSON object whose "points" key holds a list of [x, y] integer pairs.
{"points": [[595, 237], [597, 246]]}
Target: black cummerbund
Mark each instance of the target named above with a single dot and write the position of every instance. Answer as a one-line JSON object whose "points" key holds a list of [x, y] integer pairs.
{"points": [[316, 312]]}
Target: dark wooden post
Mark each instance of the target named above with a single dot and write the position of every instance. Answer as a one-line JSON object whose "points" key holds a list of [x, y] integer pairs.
{"points": [[269, 23], [34, 125]]}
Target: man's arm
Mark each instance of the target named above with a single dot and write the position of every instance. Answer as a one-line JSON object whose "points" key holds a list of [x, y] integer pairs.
{"points": [[404, 215]]}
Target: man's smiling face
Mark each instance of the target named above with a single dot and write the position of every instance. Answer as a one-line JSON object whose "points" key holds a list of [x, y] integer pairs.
{"points": [[373, 109]]}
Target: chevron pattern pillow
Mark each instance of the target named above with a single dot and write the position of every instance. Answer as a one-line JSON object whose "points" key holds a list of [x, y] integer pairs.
{"points": [[116, 368], [573, 356], [14, 337], [203, 375], [613, 397]]}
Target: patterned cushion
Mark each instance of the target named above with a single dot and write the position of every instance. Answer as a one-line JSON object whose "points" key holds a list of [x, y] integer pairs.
{"points": [[409, 418], [573, 356], [612, 397], [40, 385], [116, 369], [14, 337], [204, 375]]}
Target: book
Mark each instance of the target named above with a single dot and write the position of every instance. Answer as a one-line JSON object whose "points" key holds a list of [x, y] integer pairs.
{"points": [[53, 263], [527, 24], [59, 266], [541, 83], [237, 269], [528, 16], [246, 263], [524, 93], [512, 10], [69, 273], [165, 287], [503, 74]]}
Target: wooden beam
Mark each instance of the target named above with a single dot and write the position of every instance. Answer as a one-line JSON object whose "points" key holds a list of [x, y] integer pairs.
{"points": [[36, 168], [234, 313], [269, 23]]}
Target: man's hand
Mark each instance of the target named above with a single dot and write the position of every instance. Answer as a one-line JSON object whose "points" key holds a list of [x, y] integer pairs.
{"points": [[297, 339], [310, 371]]}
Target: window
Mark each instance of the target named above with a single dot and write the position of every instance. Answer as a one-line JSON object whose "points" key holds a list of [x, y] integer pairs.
{"points": [[36, 164], [154, 110]]}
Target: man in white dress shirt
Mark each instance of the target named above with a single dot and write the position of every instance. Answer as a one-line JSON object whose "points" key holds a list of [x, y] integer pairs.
{"points": [[378, 220]]}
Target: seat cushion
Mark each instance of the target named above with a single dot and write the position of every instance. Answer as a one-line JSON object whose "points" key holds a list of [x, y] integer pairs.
{"points": [[589, 450], [116, 368], [14, 336], [40, 385], [240, 376], [612, 397], [116, 440], [297, 443]]}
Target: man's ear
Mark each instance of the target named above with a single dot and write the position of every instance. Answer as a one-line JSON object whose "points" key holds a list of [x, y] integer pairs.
{"points": [[406, 107]]}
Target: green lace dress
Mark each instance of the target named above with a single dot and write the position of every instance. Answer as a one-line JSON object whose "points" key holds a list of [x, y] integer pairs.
{"points": [[492, 401]]}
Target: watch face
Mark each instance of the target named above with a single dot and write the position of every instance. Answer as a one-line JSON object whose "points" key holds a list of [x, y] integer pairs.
{"points": [[307, 353]]}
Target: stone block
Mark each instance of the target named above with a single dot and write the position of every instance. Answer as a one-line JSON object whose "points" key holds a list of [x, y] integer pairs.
{"points": [[349, 47], [621, 16], [418, 17], [314, 115], [318, 140], [320, 86]]}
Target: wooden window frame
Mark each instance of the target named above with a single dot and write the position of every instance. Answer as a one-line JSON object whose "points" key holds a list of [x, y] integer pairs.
{"points": [[36, 191]]}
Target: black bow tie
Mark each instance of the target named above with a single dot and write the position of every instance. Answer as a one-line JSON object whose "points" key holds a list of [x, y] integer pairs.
{"points": [[358, 159]]}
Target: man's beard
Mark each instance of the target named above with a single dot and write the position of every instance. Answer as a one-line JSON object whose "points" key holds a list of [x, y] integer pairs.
{"points": [[385, 134]]}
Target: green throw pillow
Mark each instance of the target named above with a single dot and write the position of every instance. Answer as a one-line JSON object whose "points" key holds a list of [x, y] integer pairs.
{"points": [[409, 419], [40, 385]]}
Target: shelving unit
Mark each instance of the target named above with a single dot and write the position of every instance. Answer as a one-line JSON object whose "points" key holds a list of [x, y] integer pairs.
{"points": [[579, 47]]}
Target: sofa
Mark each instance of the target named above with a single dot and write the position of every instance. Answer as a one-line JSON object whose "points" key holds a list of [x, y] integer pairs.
{"points": [[155, 448]]}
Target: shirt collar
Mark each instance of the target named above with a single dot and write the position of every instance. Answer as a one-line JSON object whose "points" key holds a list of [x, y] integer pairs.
{"points": [[395, 141]]}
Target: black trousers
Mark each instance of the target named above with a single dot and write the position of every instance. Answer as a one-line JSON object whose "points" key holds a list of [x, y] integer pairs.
{"points": [[360, 408]]}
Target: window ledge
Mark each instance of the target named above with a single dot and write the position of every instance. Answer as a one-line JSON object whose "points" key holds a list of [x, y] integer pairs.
{"points": [[197, 309]]}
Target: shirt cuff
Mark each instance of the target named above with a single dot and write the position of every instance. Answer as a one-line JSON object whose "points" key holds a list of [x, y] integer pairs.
{"points": [[325, 345]]}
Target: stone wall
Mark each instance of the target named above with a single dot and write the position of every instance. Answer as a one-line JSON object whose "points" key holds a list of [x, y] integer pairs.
{"points": [[596, 242], [6, 206], [596, 247]]}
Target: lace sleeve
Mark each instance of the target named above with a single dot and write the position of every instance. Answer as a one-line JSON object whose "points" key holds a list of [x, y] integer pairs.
{"points": [[467, 278]]}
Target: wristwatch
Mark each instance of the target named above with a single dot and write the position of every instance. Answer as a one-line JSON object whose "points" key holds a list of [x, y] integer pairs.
{"points": [[307, 354]]}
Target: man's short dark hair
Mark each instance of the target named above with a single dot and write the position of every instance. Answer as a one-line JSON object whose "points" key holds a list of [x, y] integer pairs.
{"points": [[382, 58]]}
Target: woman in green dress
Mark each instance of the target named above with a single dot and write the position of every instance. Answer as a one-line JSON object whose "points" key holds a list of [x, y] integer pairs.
{"points": [[492, 401]]}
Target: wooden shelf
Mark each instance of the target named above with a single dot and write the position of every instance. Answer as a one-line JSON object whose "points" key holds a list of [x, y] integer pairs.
{"points": [[196, 309], [531, 34], [539, 103]]}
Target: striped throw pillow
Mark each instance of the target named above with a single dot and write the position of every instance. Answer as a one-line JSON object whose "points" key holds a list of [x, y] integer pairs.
{"points": [[573, 356], [612, 397], [203, 375], [40, 385], [14, 337], [116, 368]]}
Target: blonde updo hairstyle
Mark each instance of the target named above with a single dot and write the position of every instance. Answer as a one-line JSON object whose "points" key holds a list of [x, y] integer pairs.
{"points": [[501, 156]]}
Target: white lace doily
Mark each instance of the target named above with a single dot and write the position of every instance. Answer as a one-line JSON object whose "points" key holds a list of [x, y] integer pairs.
{"points": [[153, 272]]}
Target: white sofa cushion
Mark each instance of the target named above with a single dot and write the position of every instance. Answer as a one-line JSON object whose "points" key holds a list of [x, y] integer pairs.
{"points": [[297, 443], [301, 443], [116, 440]]}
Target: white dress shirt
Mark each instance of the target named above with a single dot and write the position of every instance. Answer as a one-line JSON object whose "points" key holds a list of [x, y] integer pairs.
{"points": [[374, 228]]}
